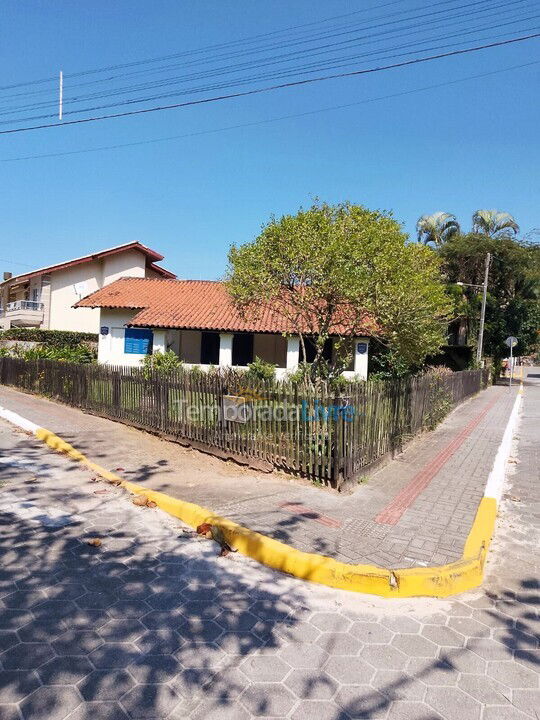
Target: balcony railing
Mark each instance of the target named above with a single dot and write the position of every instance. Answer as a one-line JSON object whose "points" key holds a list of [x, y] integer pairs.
{"points": [[22, 305]]}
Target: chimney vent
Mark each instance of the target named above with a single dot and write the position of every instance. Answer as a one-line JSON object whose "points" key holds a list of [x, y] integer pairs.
{"points": [[8, 275]]}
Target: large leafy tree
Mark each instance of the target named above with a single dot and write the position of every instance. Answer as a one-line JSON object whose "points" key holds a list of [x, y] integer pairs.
{"points": [[327, 268], [494, 223], [513, 300], [436, 228]]}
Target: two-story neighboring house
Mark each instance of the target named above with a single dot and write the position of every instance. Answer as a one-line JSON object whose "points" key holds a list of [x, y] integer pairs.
{"points": [[44, 298]]}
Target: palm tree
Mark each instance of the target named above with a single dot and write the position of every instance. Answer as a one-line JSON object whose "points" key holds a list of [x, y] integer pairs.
{"points": [[436, 228], [494, 223]]}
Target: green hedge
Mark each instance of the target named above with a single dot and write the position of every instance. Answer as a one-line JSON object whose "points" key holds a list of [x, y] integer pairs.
{"points": [[52, 338]]}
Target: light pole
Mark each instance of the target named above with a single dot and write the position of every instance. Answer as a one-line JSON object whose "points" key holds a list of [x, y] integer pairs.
{"points": [[483, 311]]}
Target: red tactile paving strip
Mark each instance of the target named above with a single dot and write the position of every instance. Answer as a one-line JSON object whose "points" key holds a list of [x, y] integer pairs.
{"points": [[303, 511], [391, 514]]}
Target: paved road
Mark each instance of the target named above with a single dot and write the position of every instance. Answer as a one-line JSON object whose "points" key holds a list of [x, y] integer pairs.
{"points": [[416, 511], [153, 625]]}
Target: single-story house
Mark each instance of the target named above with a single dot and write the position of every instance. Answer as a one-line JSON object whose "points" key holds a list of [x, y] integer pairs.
{"points": [[198, 320], [44, 298]]}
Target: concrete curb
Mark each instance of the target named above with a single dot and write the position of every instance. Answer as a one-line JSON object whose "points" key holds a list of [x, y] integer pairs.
{"points": [[440, 581]]}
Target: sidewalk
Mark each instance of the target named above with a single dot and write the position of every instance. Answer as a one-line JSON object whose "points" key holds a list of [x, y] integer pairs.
{"points": [[416, 511]]}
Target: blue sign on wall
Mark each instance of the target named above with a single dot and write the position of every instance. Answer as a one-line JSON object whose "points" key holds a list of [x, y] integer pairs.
{"points": [[104, 330], [138, 341], [361, 348]]}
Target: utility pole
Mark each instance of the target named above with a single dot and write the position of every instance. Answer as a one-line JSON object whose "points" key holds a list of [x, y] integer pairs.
{"points": [[483, 312], [60, 95]]}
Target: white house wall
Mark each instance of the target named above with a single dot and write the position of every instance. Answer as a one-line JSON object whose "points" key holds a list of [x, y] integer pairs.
{"points": [[87, 276], [111, 344]]}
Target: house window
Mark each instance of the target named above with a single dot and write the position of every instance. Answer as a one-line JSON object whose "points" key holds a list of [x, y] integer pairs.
{"points": [[310, 350], [242, 349], [138, 341], [35, 294], [209, 348]]}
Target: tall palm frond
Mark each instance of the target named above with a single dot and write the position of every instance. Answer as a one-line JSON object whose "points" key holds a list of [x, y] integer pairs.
{"points": [[494, 222], [436, 228]]}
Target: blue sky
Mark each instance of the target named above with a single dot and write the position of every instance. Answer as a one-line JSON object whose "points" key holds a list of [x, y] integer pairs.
{"points": [[465, 146]]}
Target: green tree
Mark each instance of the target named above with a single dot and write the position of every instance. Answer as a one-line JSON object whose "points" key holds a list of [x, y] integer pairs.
{"points": [[330, 269], [494, 223], [513, 300], [436, 228]]}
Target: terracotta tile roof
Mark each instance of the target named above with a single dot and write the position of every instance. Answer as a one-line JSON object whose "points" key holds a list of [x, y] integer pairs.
{"points": [[191, 304], [151, 257]]}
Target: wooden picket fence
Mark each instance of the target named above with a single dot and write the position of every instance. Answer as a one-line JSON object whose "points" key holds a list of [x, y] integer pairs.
{"points": [[327, 436]]}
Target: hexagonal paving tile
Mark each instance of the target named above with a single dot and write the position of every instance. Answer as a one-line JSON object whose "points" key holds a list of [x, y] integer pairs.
{"points": [[432, 672], [163, 641], [77, 642], [128, 609], [235, 621], [239, 643], [410, 710], [9, 712], [124, 630], [65, 591], [515, 639], [50, 703], [25, 656], [106, 685], [212, 710], [444, 636], [295, 632], [330, 622], [24, 599], [8, 638], [199, 630], [463, 660], [469, 627], [152, 669], [484, 689], [415, 646], [384, 657], [349, 671], [512, 674], [303, 655], [96, 600], [16, 685], [264, 668], [268, 699], [65, 670], [362, 701], [397, 685], [200, 656], [339, 643], [101, 710], [14, 619], [311, 684], [371, 633], [401, 624], [114, 655], [487, 648], [526, 699], [453, 703], [316, 710], [158, 618], [150, 701]]}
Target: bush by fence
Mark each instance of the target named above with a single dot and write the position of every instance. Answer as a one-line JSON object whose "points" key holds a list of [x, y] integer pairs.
{"points": [[325, 435], [53, 338]]}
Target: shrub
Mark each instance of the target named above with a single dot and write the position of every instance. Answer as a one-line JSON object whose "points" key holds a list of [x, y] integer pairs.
{"points": [[162, 363], [261, 370], [53, 338], [81, 354]]}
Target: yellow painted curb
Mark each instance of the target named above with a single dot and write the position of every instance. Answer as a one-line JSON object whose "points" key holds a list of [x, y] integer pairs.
{"points": [[441, 581]]}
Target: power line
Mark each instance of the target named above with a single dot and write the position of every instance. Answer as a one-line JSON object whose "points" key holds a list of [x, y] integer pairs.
{"points": [[270, 88], [247, 39], [213, 72], [274, 119]]}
